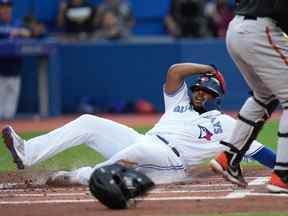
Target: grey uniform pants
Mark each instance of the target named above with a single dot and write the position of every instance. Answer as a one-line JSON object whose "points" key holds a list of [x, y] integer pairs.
{"points": [[259, 48], [260, 51]]}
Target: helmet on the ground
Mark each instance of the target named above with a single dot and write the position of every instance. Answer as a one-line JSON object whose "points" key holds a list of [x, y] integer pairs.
{"points": [[115, 185]]}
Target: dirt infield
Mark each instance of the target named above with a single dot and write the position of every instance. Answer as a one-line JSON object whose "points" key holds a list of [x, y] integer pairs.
{"points": [[202, 195], [23, 193]]}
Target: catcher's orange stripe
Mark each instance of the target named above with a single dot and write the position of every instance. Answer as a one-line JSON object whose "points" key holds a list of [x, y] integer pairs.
{"points": [[275, 47]]}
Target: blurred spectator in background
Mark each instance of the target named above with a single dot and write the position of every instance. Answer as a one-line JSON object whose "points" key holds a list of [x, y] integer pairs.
{"points": [[38, 30], [219, 14], [186, 19], [77, 17], [116, 19], [10, 66]]}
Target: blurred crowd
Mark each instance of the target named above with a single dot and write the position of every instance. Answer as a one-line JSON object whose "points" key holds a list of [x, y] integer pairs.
{"points": [[114, 19], [198, 18], [109, 20]]}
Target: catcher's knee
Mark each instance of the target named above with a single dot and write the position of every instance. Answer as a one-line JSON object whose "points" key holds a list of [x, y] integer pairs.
{"points": [[252, 117], [255, 110]]}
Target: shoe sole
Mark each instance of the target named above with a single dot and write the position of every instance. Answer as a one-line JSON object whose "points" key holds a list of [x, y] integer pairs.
{"points": [[8, 140], [276, 189], [217, 168]]}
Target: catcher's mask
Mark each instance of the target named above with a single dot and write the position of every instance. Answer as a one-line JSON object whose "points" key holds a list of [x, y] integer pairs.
{"points": [[210, 84], [115, 185]]}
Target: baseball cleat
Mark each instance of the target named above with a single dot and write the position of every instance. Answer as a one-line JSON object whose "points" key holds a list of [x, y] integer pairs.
{"points": [[14, 144], [221, 165], [278, 182], [61, 179]]}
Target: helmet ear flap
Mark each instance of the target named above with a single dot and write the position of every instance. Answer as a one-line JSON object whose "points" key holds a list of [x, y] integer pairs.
{"points": [[213, 104]]}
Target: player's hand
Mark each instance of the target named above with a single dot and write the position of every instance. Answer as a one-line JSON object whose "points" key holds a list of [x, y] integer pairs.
{"points": [[219, 77]]}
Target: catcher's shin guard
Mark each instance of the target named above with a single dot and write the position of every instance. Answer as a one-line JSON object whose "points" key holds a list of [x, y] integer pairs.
{"points": [[251, 119], [228, 163]]}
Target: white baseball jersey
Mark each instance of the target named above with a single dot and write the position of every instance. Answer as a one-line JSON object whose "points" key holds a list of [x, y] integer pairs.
{"points": [[181, 138], [196, 136]]}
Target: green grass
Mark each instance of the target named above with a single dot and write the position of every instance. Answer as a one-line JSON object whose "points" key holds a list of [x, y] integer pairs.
{"points": [[67, 160], [83, 155], [268, 135]]}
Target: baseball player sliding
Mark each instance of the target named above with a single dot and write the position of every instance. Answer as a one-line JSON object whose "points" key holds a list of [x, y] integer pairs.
{"points": [[188, 132]]}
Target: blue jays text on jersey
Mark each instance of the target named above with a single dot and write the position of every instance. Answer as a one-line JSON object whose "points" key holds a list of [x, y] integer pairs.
{"points": [[205, 133]]}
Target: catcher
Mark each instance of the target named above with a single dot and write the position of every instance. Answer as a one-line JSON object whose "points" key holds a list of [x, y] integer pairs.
{"points": [[257, 43], [188, 133]]}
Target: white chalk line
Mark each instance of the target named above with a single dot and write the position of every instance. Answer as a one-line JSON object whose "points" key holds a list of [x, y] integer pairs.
{"points": [[168, 187], [44, 194], [237, 194], [183, 198], [157, 190], [243, 193], [12, 186]]}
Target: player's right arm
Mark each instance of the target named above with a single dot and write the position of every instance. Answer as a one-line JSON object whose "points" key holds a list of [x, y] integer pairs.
{"points": [[178, 72]]}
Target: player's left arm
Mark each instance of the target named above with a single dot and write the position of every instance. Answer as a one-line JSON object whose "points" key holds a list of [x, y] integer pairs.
{"points": [[178, 72], [262, 154]]}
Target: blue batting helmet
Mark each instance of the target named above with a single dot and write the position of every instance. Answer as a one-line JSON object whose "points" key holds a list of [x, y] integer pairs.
{"points": [[208, 83]]}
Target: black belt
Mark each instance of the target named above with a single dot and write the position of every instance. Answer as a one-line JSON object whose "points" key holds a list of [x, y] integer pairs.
{"points": [[250, 17], [167, 143]]}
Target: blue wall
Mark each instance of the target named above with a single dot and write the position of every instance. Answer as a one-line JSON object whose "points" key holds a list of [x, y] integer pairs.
{"points": [[115, 72], [110, 72]]}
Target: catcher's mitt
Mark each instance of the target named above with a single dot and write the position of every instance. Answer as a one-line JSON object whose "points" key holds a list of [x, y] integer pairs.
{"points": [[115, 185]]}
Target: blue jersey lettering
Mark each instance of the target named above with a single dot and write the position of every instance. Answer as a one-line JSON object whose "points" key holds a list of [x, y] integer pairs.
{"points": [[182, 109], [217, 126]]}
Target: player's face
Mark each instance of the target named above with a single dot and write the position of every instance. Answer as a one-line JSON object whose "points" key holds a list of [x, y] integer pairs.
{"points": [[199, 97]]}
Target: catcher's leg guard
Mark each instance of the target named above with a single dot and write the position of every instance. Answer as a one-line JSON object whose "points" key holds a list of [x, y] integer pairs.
{"points": [[251, 119], [282, 147]]}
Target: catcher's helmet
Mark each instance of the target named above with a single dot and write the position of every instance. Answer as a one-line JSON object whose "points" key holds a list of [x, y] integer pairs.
{"points": [[114, 185], [209, 83]]}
